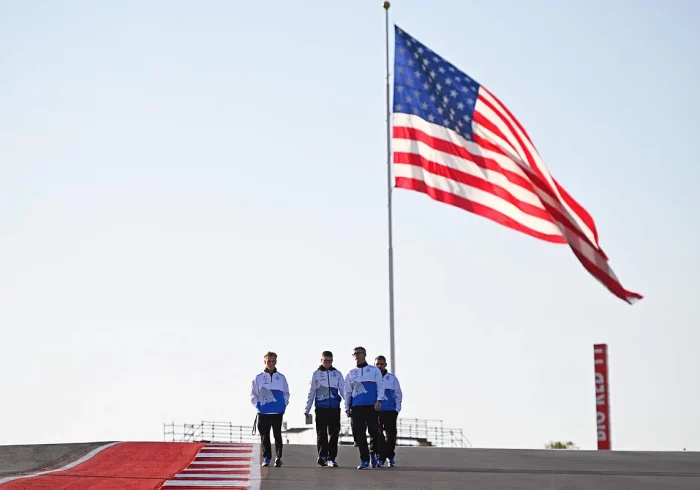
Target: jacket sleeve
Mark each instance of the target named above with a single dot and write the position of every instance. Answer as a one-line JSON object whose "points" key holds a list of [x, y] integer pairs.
{"points": [[398, 395], [380, 384], [348, 391], [254, 393], [286, 392], [341, 385], [312, 393]]}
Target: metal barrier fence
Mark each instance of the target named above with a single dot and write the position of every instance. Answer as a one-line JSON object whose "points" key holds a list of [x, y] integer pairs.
{"points": [[410, 432]]}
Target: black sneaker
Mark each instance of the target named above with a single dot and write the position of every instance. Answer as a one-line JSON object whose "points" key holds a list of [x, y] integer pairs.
{"points": [[321, 461], [278, 462]]}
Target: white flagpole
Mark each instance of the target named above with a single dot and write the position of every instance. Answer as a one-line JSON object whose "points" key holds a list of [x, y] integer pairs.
{"points": [[392, 347]]}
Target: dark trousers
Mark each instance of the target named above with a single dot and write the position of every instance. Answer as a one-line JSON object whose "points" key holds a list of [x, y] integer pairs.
{"points": [[364, 418], [387, 445], [265, 422], [327, 432]]}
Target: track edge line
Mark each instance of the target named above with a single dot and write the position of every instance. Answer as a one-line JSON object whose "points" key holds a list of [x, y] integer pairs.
{"points": [[75, 463]]}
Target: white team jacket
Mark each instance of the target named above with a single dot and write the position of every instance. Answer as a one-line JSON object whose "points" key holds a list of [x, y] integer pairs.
{"points": [[363, 386], [326, 389], [269, 392], [392, 391]]}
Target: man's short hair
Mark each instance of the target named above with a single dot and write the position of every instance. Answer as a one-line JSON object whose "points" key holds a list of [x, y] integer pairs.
{"points": [[327, 353], [360, 349], [269, 354], [380, 358]]}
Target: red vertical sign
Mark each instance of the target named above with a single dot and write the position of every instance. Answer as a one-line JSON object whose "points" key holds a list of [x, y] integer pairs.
{"points": [[602, 396]]}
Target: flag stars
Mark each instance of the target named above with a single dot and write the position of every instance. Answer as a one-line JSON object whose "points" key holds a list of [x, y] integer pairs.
{"points": [[441, 97]]}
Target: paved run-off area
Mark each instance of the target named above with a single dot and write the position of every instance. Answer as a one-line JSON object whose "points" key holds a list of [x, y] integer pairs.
{"points": [[18, 460]]}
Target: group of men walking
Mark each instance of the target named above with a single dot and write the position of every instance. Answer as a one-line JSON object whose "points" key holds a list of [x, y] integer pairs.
{"points": [[371, 397]]}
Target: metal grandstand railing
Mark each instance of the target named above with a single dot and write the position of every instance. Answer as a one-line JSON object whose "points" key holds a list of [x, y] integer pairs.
{"points": [[417, 432], [410, 432], [209, 431]]}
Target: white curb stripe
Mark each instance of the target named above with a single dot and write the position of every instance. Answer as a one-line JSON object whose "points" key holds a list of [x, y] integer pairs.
{"points": [[244, 458]]}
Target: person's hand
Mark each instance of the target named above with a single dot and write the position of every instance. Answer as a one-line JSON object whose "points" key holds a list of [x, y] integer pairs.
{"points": [[378, 405], [348, 412]]}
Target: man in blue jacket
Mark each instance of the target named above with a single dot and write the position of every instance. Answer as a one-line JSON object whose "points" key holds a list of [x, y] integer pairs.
{"points": [[364, 393], [326, 390], [389, 412], [269, 393]]}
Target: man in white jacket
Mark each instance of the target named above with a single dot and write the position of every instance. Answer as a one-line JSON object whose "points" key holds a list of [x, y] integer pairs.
{"points": [[364, 393], [389, 412], [269, 393], [326, 391]]}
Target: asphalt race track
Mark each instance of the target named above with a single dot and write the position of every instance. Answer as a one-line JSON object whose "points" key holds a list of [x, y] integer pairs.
{"points": [[434, 468], [491, 469]]}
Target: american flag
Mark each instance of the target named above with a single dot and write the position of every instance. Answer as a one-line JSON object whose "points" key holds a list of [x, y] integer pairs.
{"points": [[456, 142]]}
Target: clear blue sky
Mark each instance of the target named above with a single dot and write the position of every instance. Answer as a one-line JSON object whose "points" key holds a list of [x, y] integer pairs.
{"points": [[185, 185]]}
